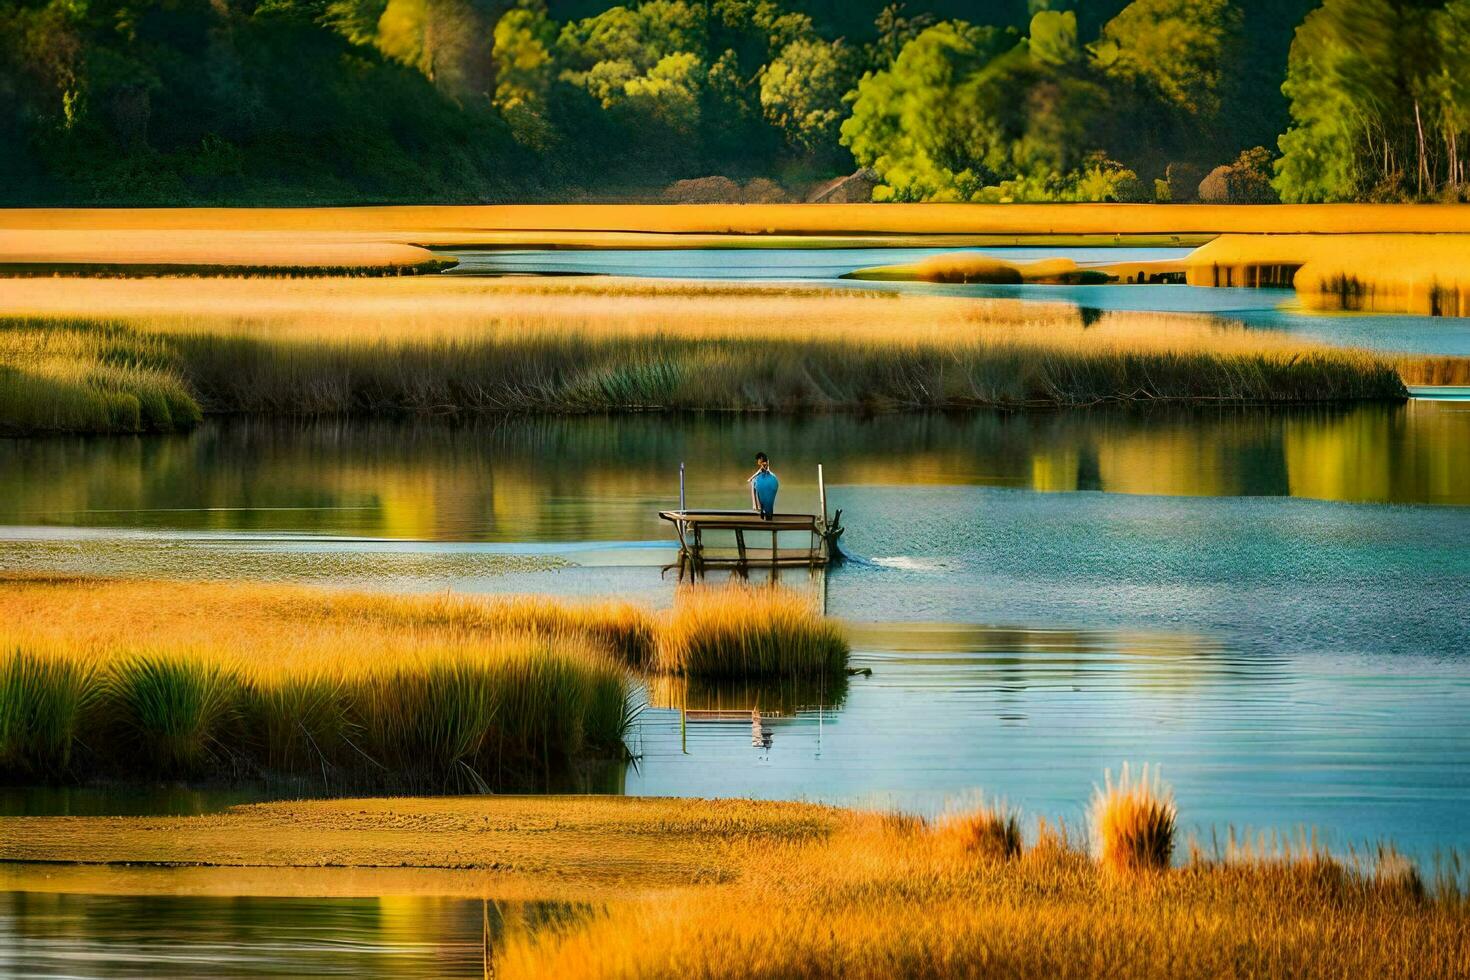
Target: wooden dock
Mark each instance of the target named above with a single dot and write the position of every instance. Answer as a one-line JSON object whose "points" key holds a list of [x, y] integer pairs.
{"points": [[693, 525], [821, 534]]}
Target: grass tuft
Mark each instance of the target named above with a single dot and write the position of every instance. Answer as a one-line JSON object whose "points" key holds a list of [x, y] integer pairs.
{"points": [[988, 832], [43, 698], [169, 712], [1133, 822], [749, 631]]}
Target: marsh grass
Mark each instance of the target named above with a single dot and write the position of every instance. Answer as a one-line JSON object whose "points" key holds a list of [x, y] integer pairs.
{"points": [[883, 897], [745, 631], [992, 832], [44, 700], [105, 380], [462, 346], [147, 679]]}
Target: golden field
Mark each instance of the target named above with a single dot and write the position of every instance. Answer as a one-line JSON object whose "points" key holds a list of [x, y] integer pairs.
{"points": [[140, 679], [445, 346], [428, 225], [1383, 257], [725, 888]]}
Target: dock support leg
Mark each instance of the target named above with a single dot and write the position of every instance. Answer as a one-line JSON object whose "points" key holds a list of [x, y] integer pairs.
{"points": [[740, 544]]}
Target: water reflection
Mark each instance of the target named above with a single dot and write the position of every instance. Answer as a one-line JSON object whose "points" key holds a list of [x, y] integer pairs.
{"points": [[602, 479], [1362, 747], [44, 934]]}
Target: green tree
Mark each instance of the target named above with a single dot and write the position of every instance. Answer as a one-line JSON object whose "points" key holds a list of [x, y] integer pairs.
{"points": [[525, 39], [1173, 47], [916, 124], [802, 89], [1378, 102]]}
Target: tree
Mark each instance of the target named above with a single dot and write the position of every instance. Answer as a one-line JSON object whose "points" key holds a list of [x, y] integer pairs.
{"points": [[1246, 181], [973, 114], [1172, 47], [524, 71], [802, 89], [917, 123], [1378, 100]]}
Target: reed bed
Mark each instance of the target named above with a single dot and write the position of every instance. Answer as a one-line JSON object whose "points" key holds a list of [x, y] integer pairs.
{"points": [[495, 712], [90, 381], [886, 895], [141, 679], [742, 631], [436, 346]]}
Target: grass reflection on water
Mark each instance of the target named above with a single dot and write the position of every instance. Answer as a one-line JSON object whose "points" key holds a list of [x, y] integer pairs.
{"points": [[601, 479], [43, 934]]}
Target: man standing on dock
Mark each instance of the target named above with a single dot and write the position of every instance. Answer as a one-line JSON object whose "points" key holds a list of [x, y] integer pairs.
{"points": [[763, 486]]}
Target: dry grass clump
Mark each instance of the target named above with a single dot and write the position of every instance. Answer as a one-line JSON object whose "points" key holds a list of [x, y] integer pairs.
{"points": [[882, 898], [992, 832], [382, 346], [749, 631], [1133, 822]]}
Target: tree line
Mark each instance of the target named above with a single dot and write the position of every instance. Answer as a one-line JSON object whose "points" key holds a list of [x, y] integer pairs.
{"points": [[319, 101]]}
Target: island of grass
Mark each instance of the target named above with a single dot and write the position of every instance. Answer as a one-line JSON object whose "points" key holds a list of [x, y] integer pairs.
{"points": [[139, 680], [155, 355]]}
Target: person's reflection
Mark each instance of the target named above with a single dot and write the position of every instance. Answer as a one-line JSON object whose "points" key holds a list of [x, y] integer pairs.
{"points": [[760, 736]]}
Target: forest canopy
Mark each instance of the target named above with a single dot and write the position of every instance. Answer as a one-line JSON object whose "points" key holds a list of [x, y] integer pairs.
{"points": [[343, 101]]}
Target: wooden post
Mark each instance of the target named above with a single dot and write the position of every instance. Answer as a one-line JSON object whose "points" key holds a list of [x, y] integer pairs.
{"points": [[822, 494], [681, 485]]}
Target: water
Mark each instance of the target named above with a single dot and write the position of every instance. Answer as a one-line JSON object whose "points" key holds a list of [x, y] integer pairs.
{"points": [[1273, 309], [51, 935], [1271, 604]]}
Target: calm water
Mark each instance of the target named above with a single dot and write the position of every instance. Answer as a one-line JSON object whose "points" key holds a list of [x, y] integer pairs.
{"points": [[1272, 605], [1273, 309], [61, 935]]}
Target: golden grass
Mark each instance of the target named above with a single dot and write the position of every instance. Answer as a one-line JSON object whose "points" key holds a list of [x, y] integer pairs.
{"points": [[1425, 274], [78, 382], [440, 346], [463, 224], [740, 631], [391, 239], [883, 897], [731, 888], [1133, 822], [179, 678], [108, 251]]}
